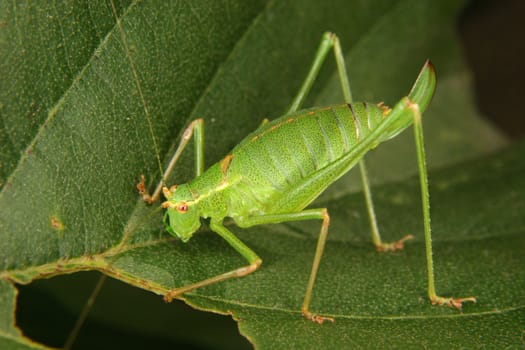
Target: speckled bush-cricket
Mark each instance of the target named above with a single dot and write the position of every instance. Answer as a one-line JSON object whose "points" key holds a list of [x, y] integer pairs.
{"points": [[279, 169]]}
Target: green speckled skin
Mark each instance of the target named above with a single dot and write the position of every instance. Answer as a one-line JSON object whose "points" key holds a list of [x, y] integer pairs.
{"points": [[285, 164]]}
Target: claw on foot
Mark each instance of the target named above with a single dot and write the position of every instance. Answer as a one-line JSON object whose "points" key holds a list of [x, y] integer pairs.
{"points": [[452, 302], [316, 318], [141, 187], [392, 247]]}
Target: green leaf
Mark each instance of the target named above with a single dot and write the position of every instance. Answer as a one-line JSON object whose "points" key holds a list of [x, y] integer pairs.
{"points": [[77, 132]]}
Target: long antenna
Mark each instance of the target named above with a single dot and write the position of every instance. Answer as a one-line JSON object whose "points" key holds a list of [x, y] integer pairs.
{"points": [[94, 294], [138, 85]]}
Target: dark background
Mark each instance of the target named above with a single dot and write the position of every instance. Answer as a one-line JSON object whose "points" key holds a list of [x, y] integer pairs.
{"points": [[493, 36]]}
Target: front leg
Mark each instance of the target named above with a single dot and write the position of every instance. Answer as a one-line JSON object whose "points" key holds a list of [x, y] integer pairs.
{"points": [[252, 258], [196, 128]]}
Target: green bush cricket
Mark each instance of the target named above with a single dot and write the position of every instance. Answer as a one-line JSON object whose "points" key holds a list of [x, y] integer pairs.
{"points": [[280, 168]]}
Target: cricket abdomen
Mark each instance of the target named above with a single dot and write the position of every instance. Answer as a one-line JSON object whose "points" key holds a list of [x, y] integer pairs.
{"points": [[281, 155]]}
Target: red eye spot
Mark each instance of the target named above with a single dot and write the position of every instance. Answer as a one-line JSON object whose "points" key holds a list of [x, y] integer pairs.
{"points": [[182, 208]]}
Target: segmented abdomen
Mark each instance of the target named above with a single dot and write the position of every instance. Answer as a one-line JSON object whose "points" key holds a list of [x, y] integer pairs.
{"points": [[281, 153]]}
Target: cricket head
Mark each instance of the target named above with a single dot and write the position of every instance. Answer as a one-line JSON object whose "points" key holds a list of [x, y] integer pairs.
{"points": [[182, 215]]}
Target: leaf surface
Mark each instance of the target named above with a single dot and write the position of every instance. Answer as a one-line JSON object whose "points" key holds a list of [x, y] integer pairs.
{"points": [[77, 131]]}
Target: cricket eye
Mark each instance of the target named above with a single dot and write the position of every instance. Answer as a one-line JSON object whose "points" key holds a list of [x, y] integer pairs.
{"points": [[182, 208]]}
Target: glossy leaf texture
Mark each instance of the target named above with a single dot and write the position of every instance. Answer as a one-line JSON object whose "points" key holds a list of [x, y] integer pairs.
{"points": [[77, 131]]}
